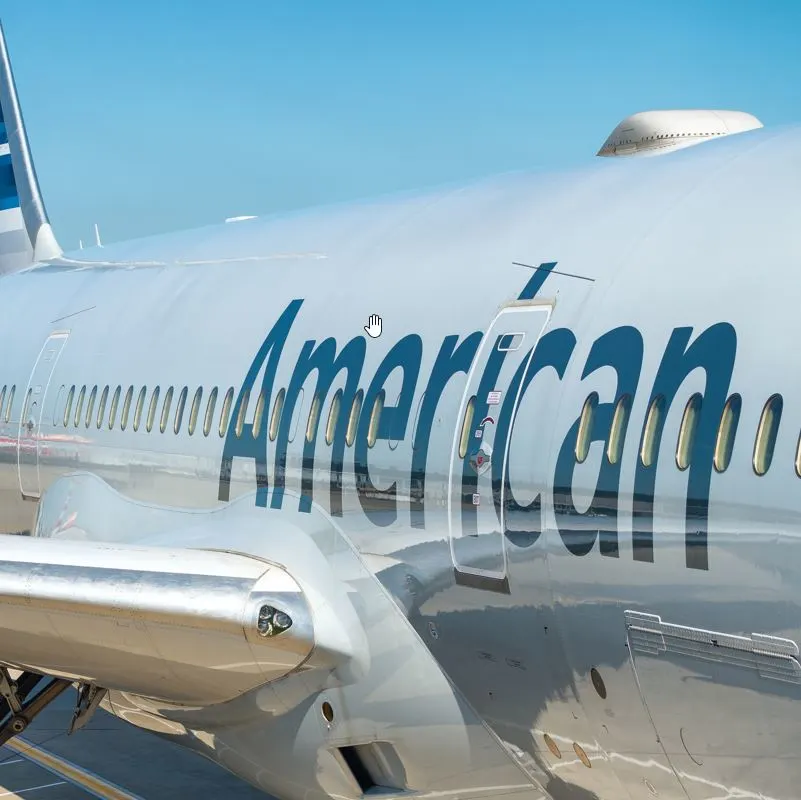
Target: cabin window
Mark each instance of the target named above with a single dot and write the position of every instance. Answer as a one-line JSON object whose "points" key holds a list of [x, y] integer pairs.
{"points": [[297, 410], [68, 407], [179, 411], [333, 417], [416, 423], [101, 408], [258, 417], [798, 458], [353, 419], [26, 406], [10, 402], [126, 408], [140, 405], [653, 423], [10, 405], [56, 405], [90, 406], [151, 412], [767, 431], [208, 421], [617, 433], [393, 443], [195, 410], [314, 417], [375, 418], [584, 435], [225, 414], [689, 425], [240, 417], [115, 402], [165, 410], [76, 420], [509, 341], [275, 417], [467, 426]]}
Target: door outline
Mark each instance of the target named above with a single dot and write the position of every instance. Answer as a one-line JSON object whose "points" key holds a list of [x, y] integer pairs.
{"points": [[28, 471], [487, 580]]}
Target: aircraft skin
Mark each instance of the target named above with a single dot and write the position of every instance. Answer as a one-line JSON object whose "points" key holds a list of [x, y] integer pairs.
{"points": [[530, 605]]}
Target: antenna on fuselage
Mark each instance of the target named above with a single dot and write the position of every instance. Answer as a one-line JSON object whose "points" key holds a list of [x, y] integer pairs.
{"points": [[553, 271], [97, 236]]}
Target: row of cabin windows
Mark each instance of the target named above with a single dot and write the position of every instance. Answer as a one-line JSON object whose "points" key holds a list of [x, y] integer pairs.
{"points": [[764, 442], [82, 410], [112, 409]]}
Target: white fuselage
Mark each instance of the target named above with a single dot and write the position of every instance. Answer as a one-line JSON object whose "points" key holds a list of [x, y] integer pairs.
{"points": [[606, 584]]}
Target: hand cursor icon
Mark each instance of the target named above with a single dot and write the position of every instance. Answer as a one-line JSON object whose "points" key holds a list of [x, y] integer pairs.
{"points": [[373, 326]]}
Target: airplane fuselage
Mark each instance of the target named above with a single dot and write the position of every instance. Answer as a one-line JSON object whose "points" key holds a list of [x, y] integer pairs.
{"points": [[570, 459]]}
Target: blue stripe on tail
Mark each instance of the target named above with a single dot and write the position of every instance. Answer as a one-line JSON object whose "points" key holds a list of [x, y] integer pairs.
{"points": [[9, 197]]}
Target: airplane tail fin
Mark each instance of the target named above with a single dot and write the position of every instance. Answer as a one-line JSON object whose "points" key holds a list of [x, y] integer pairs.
{"points": [[25, 233]]}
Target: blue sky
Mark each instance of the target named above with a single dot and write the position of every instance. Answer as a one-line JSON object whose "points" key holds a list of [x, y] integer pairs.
{"points": [[165, 114]]}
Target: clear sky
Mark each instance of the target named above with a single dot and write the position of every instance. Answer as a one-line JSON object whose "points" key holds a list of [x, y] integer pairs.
{"points": [[160, 114]]}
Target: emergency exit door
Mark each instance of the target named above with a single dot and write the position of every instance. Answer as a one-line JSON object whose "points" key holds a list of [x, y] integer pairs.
{"points": [[30, 422], [475, 497]]}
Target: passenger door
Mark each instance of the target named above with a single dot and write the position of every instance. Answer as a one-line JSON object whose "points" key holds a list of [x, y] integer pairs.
{"points": [[475, 500], [28, 438]]}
